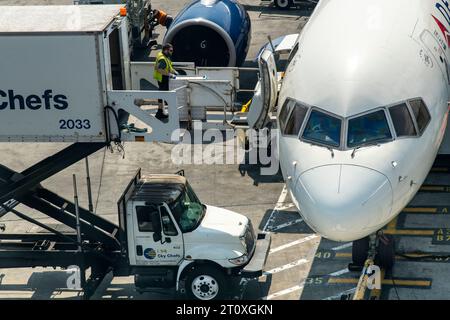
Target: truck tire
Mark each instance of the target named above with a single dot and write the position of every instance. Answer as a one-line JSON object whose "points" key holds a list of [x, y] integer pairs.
{"points": [[283, 4], [206, 283]]}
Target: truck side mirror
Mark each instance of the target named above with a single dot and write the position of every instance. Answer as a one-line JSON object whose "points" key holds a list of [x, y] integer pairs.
{"points": [[156, 222]]}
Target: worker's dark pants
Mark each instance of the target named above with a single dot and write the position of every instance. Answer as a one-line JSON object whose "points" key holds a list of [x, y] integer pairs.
{"points": [[163, 86]]}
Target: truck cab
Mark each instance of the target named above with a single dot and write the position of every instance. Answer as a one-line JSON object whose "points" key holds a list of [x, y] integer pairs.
{"points": [[174, 240]]}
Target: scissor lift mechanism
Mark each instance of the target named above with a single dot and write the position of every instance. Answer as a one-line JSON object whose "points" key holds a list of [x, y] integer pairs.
{"points": [[100, 248]]}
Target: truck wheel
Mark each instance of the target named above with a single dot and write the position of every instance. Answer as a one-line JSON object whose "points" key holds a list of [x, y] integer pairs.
{"points": [[283, 4], [205, 283]]}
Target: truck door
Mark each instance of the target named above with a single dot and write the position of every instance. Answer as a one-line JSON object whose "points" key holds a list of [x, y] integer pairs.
{"points": [[149, 249], [266, 92]]}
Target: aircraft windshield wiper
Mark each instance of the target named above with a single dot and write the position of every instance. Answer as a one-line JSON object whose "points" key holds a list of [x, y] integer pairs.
{"points": [[324, 146], [332, 151], [369, 144]]}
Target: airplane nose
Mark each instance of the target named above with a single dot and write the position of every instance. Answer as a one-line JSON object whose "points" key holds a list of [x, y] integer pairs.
{"points": [[344, 202]]}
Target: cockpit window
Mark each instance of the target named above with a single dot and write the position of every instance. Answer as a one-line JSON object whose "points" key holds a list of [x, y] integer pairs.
{"points": [[295, 121], [403, 123], [420, 113], [323, 128], [284, 113], [369, 128]]}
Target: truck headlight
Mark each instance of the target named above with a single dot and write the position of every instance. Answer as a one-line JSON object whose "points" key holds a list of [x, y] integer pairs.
{"points": [[239, 260], [248, 239]]}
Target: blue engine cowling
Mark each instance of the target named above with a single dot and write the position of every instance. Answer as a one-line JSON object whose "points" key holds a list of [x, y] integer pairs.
{"points": [[212, 33]]}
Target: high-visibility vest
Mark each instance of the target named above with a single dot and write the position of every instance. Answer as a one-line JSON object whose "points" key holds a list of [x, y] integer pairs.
{"points": [[169, 66]]}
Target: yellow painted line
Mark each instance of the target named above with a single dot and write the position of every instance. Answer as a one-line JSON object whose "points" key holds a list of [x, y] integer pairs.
{"points": [[407, 232], [343, 281], [420, 210], [398, 282], [433, 188], [343, 255], [407, 283], [393, 224], [443, 169], [412, 255]]}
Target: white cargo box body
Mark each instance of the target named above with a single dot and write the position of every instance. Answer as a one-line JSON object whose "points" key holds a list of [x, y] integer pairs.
{"points": [[55, 70]]}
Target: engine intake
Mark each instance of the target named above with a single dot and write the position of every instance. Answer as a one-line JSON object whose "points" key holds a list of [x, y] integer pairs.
{"points": [[211, 33]]}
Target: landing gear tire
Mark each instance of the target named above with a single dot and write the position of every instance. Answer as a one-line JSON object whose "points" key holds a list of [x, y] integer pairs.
{"points": [[283, 4], [206, 283], [386, 252], [360, 250]]}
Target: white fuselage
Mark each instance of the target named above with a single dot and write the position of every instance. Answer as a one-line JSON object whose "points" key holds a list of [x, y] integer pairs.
{"points": [[355, 56]]}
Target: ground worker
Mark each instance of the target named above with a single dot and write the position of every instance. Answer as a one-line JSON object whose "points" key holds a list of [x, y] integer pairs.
{"points": [[163, 71]]}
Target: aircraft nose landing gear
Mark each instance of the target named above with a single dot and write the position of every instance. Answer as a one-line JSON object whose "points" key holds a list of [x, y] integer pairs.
{"points": [[375, 252], [379, 247], [386, 251]]}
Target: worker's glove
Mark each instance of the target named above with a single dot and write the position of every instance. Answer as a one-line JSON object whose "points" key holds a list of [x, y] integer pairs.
{"points": [[172, 76]]}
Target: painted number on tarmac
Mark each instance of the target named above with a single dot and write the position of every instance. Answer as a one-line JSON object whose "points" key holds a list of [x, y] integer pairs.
{"points": [[324, 255], [314, 281], [441, 236]]}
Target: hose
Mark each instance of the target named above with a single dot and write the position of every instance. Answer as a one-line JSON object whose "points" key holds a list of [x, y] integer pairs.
{"points": [[117, 121]]}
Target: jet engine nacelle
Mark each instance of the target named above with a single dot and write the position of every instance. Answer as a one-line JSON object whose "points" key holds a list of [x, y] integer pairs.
{"points": [[212, 33]]}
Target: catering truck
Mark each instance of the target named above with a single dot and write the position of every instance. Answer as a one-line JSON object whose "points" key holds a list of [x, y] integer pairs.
{"points": [[174, 239], [67, 77], [166, 238]]}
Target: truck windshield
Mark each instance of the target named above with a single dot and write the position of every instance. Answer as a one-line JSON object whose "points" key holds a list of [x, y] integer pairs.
{"points": [[188, 210], [367, 129]]}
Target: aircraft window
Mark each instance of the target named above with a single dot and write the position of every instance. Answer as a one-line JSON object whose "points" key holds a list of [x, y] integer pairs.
{"points": [[403, 123], [323, 128], [420, 113], [295, 120], [367, 129], [284, 113]]}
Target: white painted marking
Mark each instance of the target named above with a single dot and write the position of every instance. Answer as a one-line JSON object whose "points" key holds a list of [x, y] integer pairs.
{"points": [[286, 267], [294, 243], [287, 206], [285, 225], [340, 272], [282, 199], [280, 202], [283, 292], [339, 295], [346, 245]]}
